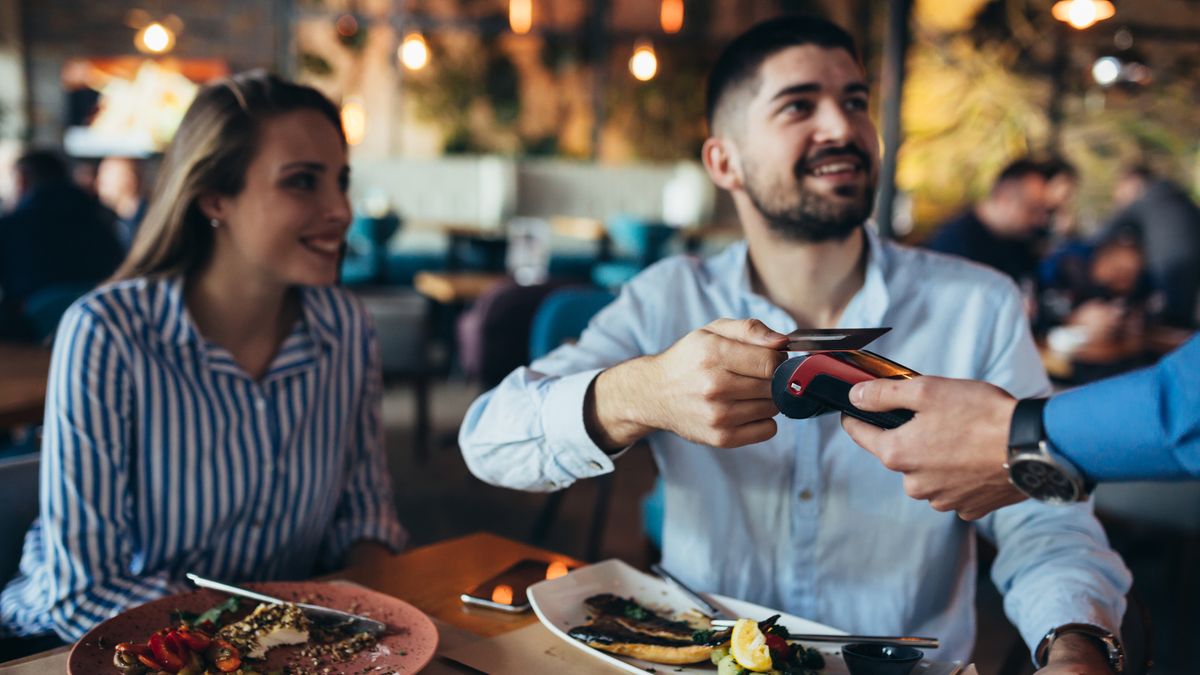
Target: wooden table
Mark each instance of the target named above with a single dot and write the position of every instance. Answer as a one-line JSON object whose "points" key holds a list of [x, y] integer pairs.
{"points": [[430, 577], [23, 373], [452, 288]]}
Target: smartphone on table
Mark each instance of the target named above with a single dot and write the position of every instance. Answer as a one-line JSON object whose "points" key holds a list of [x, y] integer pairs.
{"points": [[506, 591]]}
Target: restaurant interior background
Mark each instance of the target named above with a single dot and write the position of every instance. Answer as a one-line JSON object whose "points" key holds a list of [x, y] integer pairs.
{"points": [[556, 141]]}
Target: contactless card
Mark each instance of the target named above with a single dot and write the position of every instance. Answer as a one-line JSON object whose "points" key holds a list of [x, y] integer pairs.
{"points": [[832, 339]]}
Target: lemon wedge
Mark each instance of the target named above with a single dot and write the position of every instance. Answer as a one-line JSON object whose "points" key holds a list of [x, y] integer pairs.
{"points": [[749, 647]]}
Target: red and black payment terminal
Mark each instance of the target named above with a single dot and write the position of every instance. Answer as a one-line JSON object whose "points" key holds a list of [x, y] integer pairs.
{"points": [[818, 381]]}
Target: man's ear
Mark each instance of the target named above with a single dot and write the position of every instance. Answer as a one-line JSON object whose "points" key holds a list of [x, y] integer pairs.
{"points": [[722, 163]]}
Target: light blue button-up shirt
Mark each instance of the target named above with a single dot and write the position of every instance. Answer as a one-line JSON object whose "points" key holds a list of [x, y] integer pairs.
{"points": [[807, 522]]}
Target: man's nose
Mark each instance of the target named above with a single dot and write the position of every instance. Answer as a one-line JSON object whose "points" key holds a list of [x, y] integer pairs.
{"points": [[832, 123]]}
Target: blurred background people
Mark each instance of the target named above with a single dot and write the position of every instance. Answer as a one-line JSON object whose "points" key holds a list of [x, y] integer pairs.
{"points": [[56, 237], [1062, 186], [1167, 223], [1004, 230], [119, 187]]}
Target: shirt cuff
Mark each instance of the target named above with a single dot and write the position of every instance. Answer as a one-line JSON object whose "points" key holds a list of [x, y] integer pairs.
{"points": [[566, 433]]}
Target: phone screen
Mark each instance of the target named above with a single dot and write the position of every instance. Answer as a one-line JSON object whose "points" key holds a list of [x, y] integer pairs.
{"points": [[506, 590]]}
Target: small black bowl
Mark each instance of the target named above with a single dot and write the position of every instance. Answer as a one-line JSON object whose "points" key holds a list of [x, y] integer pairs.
{"points": [[868, 659]]}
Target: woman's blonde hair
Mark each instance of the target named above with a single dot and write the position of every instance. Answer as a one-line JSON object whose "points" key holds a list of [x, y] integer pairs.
{"points": [[215, 143]]}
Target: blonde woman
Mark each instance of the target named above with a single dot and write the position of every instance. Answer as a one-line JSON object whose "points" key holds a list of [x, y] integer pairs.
{"points": [[216, 407]]}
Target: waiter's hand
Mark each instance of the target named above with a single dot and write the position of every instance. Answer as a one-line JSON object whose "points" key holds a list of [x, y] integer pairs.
{"points": [[953, 451], [713, 387]]}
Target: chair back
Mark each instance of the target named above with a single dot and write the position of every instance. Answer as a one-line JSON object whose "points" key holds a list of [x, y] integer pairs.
{"points": [[19, 504], [401, 318], [562, 316], [44, 308]]}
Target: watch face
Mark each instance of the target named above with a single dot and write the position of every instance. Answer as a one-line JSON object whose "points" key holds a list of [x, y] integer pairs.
{"points": [[1042, 481]]}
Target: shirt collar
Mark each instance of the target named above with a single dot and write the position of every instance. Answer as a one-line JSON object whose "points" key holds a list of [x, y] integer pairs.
{"points": [[868, 306], [176, 325]]}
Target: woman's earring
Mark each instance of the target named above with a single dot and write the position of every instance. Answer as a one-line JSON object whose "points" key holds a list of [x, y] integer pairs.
{"points": [[215, 223]]}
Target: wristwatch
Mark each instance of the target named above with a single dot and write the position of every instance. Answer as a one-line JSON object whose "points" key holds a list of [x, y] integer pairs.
{"points": [[1033, 466], [1108, 643]]}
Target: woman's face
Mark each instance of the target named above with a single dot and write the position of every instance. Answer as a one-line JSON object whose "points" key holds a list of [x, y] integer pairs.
{"points": [[287, 224]]}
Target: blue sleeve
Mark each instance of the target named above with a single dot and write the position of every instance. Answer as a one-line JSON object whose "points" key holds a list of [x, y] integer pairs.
{"points": [[78, 565], [1144, 425]]}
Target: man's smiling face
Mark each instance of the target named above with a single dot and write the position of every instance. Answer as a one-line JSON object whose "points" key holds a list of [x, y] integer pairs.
{"points": [[809, 150]]}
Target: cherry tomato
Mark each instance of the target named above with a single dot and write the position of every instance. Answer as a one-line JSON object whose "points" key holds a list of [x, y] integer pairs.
{"points": [[224, 655], [195, 640], [167, 652]]}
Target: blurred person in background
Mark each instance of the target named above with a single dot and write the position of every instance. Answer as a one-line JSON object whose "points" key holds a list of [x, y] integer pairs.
{"points": [[1062, 186], [1167, 223], [1097, 300], [1005, 231], [119, 187], [216, 408], [56, 234]]}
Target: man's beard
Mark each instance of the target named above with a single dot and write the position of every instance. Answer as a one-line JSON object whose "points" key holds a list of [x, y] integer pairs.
{"points": [[799, 214]]}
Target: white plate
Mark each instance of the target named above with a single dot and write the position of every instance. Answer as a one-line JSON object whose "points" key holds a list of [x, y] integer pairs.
{"points": [[559, 605]]}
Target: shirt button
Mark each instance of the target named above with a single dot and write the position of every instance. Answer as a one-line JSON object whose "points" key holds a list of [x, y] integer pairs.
{"points": [[805, 495], [596, 465], [261, 404]]}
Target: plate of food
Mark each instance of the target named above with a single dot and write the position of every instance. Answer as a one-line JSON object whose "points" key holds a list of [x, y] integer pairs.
{"points": [[639, 623], [207, 632]]}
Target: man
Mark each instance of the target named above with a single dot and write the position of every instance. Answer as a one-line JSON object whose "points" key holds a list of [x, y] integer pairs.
{"points": [[1005, 230], [119, 187], [56, 235], [1143, 425], [1168, 224], [799, 518], [1062, 186]]}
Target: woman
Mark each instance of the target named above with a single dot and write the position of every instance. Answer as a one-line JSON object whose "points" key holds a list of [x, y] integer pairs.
{"points": [[216, 408]]}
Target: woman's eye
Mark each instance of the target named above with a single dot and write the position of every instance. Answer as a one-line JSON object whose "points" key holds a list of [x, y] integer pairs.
{"points": [[302, 181]]}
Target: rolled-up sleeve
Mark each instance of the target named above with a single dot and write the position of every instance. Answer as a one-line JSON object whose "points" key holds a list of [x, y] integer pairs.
{"points": [[529, 433], [77, 566], [367, 508]]}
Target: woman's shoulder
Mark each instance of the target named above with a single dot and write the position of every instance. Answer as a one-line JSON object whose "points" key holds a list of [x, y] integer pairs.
{"points": [[334, 309], [128, 302]]}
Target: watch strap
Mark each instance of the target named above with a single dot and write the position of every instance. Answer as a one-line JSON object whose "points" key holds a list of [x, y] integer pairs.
{"points": [[1027, 428], [1109, 644]]}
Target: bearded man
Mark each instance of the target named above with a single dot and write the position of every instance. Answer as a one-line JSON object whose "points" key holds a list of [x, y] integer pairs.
{"points": [[797, 517]]}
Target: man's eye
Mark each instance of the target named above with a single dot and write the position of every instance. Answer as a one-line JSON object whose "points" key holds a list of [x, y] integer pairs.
{"points": [[856, 104], [803, 107]]}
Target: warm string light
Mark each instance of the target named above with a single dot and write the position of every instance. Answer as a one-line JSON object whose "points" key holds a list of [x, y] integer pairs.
{"points": [[155, 38], [520, 16], [556, 569], [670, 16], [644, 62], [413, 52], [354, 120], [1081, 14], [502, 594]]}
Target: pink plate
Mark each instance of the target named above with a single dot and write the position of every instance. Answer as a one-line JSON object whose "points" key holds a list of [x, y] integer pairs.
{"points": [[406, 647]]}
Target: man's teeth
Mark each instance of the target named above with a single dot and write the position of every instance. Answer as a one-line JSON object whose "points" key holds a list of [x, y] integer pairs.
{"points": [[324, 245], [834, 168]]}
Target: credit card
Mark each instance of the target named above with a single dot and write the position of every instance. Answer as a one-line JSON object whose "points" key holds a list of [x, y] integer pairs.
{"points": [[832, 339]]}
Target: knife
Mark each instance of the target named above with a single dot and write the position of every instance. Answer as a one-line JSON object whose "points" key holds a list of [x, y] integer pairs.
{"points": [[325, 615], [705, 606]]}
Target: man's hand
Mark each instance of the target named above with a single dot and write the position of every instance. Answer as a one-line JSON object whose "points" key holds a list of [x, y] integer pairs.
{"points": [[1074, 654], [713, 386], [953, 451]]}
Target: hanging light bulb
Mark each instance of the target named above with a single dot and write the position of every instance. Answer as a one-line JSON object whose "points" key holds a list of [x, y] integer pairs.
{"points": [[413, 52], [155, 38], [354, 120], [670, 16], [644, 62], [1081, 14], [520, 16]]}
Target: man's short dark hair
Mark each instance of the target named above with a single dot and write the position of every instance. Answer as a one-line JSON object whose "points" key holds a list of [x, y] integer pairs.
{"points": [[42, 167], [740, 60], [1058, 166], [1018, 171]]}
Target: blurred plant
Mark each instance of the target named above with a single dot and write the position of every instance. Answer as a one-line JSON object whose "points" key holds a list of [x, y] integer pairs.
{"points": [[966, 114], [315, 64], [444, 93], [662, 119]]}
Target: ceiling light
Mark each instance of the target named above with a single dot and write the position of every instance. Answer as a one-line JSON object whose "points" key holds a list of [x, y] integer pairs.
{"points": [[644, 62], [1081, 14], [414, 53], [155, 38]]}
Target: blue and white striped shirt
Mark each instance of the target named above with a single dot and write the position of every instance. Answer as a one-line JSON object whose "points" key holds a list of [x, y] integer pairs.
{"points": [[162, 456]]}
